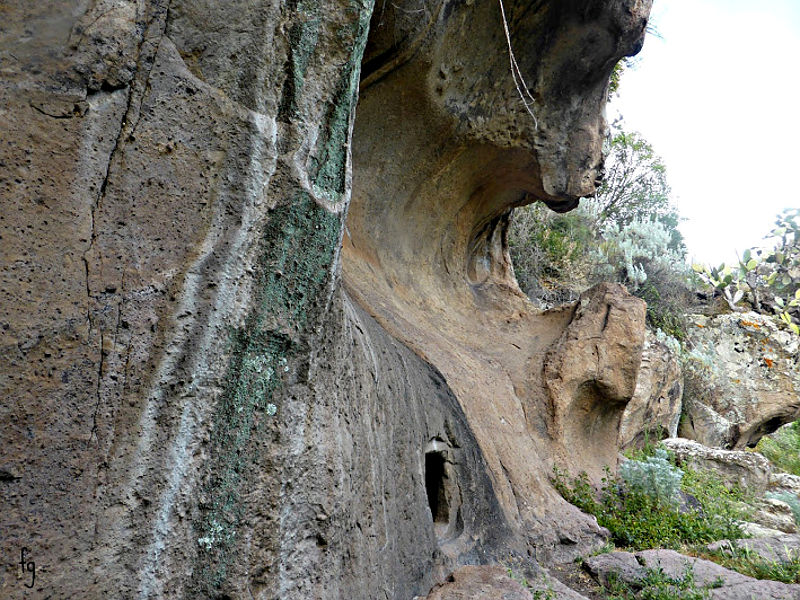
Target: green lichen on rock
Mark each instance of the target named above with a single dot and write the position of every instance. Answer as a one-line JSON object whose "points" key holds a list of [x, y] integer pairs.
{"points": [[331, 164], [300, 245], [303, 39], [298, 273]]}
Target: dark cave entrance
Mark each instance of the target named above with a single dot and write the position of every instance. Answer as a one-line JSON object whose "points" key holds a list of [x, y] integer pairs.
{"points": [[436, 487]]}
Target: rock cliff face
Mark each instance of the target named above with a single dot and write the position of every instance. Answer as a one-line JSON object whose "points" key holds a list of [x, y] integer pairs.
{"points": [[193, 406], [742, 380]]}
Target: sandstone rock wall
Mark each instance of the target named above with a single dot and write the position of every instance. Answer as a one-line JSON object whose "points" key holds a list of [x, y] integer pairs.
{"points": [[192, 405]]}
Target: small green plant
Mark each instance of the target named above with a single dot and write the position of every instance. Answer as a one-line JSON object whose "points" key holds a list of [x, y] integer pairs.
{"points": [[657, 585], [745, 561]]}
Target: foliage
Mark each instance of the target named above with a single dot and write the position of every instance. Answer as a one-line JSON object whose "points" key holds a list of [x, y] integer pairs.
{"points": [[657, 585], [635, 183], [639, 519], [782, 448], [552, 252], [767, 279], [627, 234], [640, 255], [654, 476]]}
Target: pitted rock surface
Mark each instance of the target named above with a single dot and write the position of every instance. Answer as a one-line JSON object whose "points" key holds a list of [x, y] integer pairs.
{"points": [[742, 379], [193, 405]]}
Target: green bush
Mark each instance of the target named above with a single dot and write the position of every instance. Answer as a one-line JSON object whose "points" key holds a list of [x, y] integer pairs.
{"points": [[640, 518], [551, 252]]}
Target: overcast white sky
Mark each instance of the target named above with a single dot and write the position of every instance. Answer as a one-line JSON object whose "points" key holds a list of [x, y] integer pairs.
{"points": [[718, 97]]}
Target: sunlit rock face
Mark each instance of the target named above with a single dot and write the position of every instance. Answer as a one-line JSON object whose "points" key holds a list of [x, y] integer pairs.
{"points": [[742, 379], [443, 149], [193, 406]]}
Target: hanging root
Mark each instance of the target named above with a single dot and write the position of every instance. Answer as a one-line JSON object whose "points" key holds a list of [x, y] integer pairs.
{"points": [[519, 81]]}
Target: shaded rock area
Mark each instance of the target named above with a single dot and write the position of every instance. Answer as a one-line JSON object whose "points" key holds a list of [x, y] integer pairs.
{"points": [[742, 379], [654, 410], [719, 582], [193, 405]]}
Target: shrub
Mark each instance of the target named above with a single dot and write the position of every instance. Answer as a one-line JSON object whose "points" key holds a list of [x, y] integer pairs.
{"points": [[654, 476], [551, 252], [646, 514]]}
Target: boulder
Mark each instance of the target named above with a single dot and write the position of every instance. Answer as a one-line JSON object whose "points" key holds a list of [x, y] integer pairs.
{"points": [[655, 408], [498, 583], [718, 582], [748, 470], [742, 379], [487, 582], [785, 482], [774, 514]]}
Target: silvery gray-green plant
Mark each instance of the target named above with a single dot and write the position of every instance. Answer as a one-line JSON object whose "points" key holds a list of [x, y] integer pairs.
{"points": [[654, 476]]}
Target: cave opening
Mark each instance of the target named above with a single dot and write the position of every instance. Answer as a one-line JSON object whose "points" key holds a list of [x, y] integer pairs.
{"points": [[436, 488]]}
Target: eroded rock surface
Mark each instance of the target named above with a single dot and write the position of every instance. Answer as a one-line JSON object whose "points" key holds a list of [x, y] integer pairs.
{"points": [[443, 150], [192, 404], [742, 380], [654, 410]]}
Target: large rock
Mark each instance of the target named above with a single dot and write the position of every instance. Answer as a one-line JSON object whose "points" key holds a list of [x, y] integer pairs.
{"points": [[716, 581], [488, 583], [742, 379], [443, 150], [654, 410], [192, 404], [749, 470]]}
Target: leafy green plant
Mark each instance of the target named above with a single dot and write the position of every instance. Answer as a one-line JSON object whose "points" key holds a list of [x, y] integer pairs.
{"points": [[745, 561], [552, 252], [767, 279]]}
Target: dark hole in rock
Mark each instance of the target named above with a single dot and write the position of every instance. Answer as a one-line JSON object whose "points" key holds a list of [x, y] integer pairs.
{"points": [[435, 486]]}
